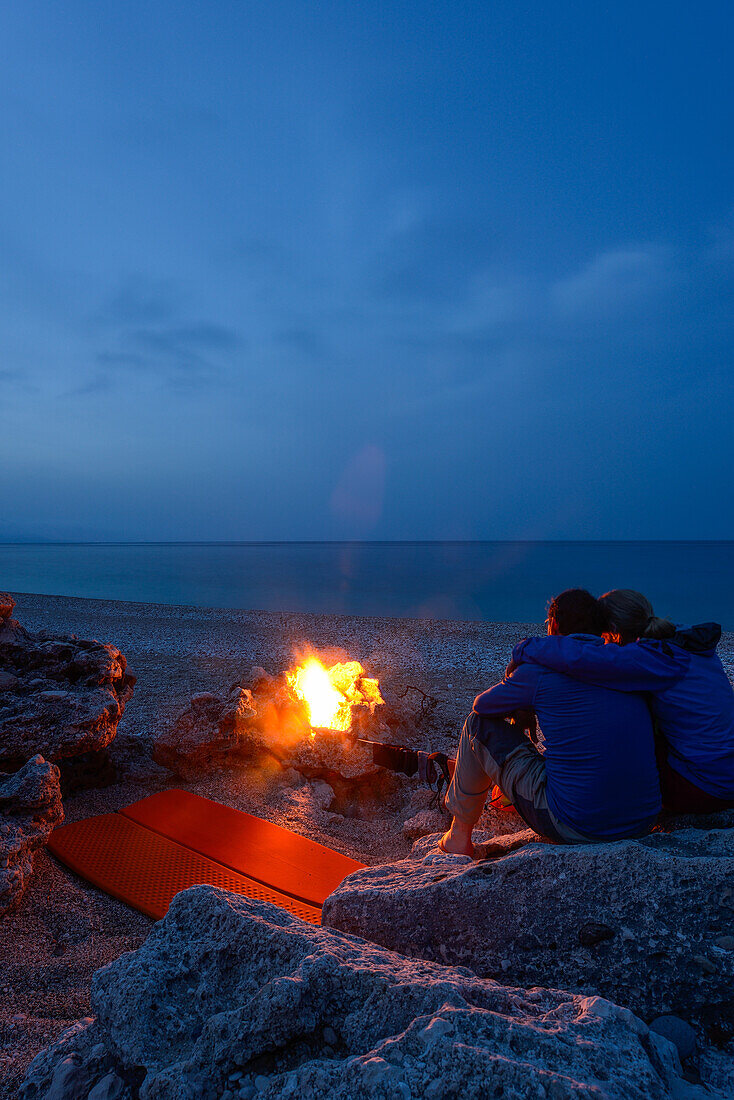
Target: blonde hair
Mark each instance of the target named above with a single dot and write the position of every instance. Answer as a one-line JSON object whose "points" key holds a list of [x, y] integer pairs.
{"points": [[629, 615]]}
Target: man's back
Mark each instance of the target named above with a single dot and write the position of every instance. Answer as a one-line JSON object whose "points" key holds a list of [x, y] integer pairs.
{"points": [[602, 777]]}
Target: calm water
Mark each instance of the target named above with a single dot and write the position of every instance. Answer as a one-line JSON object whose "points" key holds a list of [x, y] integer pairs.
{"points": [[492, 581]]}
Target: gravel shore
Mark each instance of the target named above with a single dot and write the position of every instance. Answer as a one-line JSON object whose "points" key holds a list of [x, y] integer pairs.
{"points": [[64, 929]]}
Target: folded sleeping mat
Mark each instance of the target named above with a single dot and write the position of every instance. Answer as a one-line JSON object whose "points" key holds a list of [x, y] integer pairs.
{"points": [[149, 851]]}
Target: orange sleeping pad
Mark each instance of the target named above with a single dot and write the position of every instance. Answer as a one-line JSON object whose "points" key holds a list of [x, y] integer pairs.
{"points": [[149, 851]]}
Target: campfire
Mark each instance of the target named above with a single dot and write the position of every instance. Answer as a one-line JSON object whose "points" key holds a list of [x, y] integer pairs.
{"points": [[324, 718], [329, 694]]}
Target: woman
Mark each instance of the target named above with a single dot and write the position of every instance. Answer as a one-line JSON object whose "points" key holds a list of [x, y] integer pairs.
{"points": [[691, 698]]}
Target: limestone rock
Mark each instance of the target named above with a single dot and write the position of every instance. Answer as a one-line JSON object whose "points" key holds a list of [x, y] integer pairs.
{"points": [[330, 751], [636, 920], [59, 695], [213, 731], [680, 1034], [30, 807], [231, 997], [423, 823]]}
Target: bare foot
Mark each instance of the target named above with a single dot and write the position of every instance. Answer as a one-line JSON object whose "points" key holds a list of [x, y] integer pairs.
{"points": [[457, 841]]}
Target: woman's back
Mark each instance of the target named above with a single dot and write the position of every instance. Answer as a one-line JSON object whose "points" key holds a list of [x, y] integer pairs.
{"points": [[696, 713]]}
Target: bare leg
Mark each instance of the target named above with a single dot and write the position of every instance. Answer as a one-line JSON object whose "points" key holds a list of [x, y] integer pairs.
{"points": [[457, 841], [465, 796]]}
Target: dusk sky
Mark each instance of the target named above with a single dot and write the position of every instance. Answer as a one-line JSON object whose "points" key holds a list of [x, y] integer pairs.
{"points": [[290, 270]]}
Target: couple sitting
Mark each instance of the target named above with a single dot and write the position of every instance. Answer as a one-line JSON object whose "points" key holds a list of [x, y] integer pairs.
{"points": [[642, 722]]}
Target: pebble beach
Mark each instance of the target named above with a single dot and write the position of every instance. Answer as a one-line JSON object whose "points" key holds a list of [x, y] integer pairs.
{"points": [[64, 929]]}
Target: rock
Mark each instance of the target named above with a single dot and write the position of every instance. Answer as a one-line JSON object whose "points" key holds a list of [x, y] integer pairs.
{"points": [[30, 807], [83, 1067], [705, 964], [680, 1034], [225, 984], [328, 752], [7, 603], [422, 824], [60, 695], [213, 731], [655, 897]]}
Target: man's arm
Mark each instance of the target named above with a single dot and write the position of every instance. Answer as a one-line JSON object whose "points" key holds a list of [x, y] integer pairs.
{"points": [[516, 692], [639, 666]]}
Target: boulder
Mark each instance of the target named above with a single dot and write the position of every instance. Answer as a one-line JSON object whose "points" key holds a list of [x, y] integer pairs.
{"points": [[59, 695], [30, 807], [214, 730], [636, 921], [328, 751], [230, 997]]}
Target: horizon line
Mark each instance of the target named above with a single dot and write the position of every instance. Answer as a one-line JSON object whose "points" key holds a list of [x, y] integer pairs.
{"points": [[343, 542]]}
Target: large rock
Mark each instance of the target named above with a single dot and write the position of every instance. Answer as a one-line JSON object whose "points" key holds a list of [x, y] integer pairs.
{"points": [[638, 921], [30, 807], [59, 695], [234, 998], [214, 730]]}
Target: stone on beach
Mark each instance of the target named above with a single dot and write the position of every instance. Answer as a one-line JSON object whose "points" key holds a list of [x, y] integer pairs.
{"points": [[636, 921], [260, 721], [30, 807], [60, 695], [234, 997], [214, 730]]}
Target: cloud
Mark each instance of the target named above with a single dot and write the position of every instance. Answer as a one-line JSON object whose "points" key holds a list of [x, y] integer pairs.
{"points": [[17, 380], [613, 282], [184, 342], [140, 301], [307, 341], [145, 330], [100, 383], [433, 260]]}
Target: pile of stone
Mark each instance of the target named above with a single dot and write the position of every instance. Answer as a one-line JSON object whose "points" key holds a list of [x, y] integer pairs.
{"points": [[61, 698], [234, 999], [30, 807], [60, 695]]}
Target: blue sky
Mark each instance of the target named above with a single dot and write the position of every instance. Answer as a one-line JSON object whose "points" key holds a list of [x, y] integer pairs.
{"points": [[288, 270]]}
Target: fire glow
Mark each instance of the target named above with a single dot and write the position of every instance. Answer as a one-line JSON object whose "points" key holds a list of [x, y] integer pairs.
{"points": [[330, 693]]}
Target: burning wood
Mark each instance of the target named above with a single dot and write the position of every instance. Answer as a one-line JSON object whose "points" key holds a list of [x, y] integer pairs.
{"points": [[330, 693], [322, 718]]}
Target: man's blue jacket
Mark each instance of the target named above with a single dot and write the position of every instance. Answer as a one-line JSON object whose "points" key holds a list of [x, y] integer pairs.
{"points": [[691, 697], [602, 778]]}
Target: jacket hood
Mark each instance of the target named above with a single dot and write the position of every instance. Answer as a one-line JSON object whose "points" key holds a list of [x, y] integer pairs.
{"points": [[702, 639]]}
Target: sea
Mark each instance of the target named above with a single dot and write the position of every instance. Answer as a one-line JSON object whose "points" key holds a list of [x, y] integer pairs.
{"points": [[485, 581]]}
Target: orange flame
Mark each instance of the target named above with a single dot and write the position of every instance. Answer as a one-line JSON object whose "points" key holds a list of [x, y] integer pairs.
{"points": [[330, 693]]}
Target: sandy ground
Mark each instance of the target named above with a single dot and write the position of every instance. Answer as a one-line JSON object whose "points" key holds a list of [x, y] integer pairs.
{"points": [[64, 929]]}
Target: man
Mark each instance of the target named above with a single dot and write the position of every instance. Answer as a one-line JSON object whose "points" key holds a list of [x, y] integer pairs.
{"points": [[597, 779]]}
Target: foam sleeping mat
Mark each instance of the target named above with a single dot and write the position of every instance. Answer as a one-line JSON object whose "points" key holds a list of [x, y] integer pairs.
{"points": [[149, 851]]}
